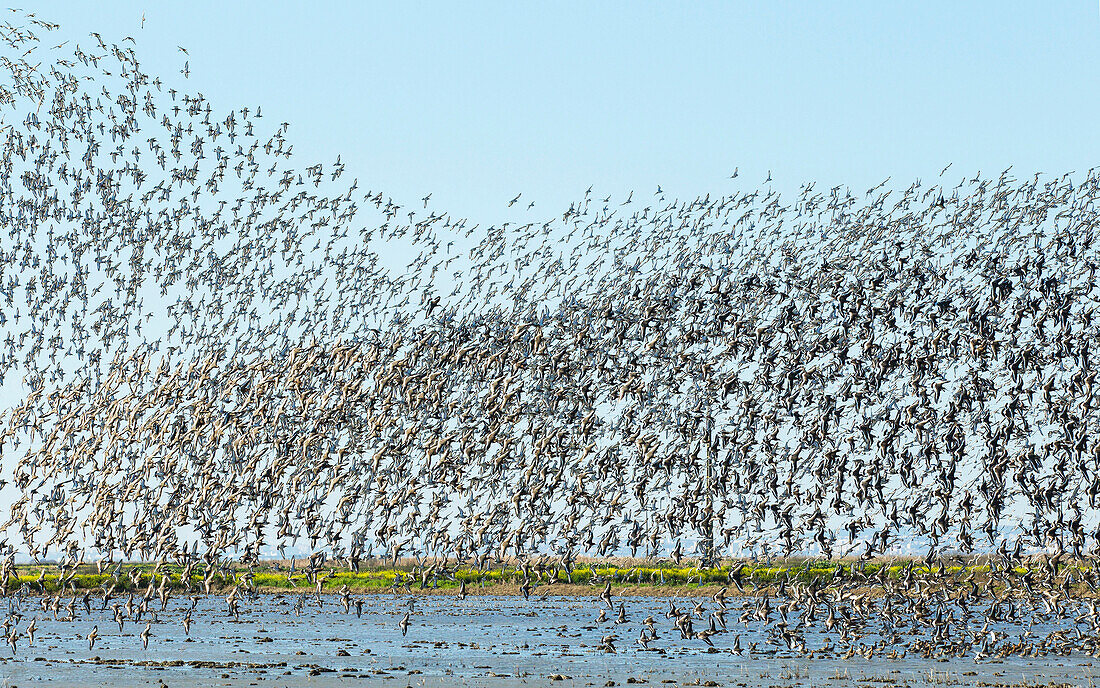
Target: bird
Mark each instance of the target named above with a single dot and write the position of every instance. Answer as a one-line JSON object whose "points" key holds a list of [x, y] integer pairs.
{"points": [[803, 386], [605, 596], [620, 618], [607, 644]]}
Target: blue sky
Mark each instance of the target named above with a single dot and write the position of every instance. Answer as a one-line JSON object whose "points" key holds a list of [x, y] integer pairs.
{"points": [[477, 102]]}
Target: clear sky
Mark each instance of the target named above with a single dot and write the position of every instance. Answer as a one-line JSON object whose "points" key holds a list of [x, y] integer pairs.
{"points": [[477, 102]]}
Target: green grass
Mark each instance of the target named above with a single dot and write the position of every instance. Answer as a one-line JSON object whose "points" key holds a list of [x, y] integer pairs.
{"points": [[381, 578]]}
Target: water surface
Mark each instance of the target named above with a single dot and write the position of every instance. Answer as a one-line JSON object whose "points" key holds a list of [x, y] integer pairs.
{"points": [[480, 641]]}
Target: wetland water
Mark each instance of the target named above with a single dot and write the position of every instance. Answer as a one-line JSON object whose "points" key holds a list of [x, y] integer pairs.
{"points": [[480, 641]]}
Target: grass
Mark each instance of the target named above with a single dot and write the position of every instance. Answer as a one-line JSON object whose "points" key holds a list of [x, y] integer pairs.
{"points": [[647, 577]]}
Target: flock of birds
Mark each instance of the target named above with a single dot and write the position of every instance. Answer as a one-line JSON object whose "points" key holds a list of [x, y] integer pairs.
{"points": [[218, 356]]}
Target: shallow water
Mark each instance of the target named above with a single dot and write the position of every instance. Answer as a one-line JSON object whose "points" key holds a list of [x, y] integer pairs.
{"points": [[480, 641]]}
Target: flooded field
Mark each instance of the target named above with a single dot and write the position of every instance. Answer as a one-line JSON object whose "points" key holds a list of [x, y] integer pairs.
{"points": [[481, 641]]}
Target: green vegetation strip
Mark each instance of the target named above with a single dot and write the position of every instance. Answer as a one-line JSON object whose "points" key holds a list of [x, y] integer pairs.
{"points": [[266, 577]]}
